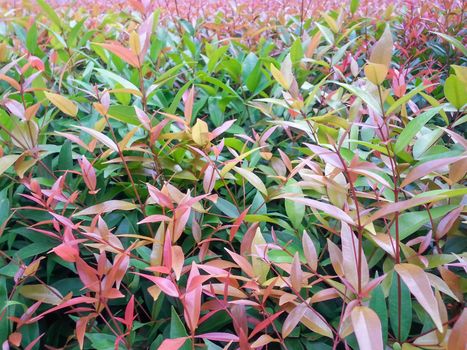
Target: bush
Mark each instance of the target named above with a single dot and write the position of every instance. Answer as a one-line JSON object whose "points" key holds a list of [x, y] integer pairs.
{"points": [[251, 181]]}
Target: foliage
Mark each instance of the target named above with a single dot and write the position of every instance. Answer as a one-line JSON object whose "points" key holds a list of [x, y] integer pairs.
{"points": [[178, 180]]}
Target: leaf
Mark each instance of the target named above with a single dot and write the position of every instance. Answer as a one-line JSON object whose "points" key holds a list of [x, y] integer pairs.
{"points": [[172, 344], [260, 267], [455, 91], [378, 304], [310, 251], [106, 207], [50, 13], [277, 74], [293, 319], [62, 103], [381, 52], [253, 179], [41, 292], [367, 328], [177, 329], [325, 207], [164, 284], [265, 323], [419, 285], [219, 336], [354, 6], [412, 128], [400, 321], [200, 133], [8, 161], [375, 72], [392, 208], [295, 211], [125, 54], [99, 136], [296, 274], [428, 167], [369, 99], [350, 256], [456, 43], [458, 337]]}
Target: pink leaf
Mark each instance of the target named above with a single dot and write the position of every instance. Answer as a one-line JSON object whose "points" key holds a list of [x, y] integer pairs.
{"points": [[172, 344], [419, 285], [164, 284], [427, 168], [367, 328], [219, 336]]}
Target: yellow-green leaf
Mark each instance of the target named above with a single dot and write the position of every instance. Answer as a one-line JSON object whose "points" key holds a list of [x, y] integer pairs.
{"points": [[200, 132], [376, 72], [62, 103], [253, 179], [8, 161], [42, 293]]}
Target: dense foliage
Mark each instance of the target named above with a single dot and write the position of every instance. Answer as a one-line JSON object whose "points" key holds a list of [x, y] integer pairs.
{"points": [[240, 175]]}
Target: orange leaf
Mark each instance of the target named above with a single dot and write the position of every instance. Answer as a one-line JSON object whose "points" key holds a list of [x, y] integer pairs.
{"points": [[367, 328], [41, 292], [125, 54]]}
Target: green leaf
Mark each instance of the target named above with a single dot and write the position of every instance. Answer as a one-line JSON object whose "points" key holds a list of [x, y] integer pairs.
{"points": [[49, 12], [412, 128], [400, 321], [378, 304], [125, 114], [369, 99], [295, 210], [4, 321], [354, 6], [65, 157], [405, 98], [177, 329], [455, 91], [456, 43], [31, 39]]}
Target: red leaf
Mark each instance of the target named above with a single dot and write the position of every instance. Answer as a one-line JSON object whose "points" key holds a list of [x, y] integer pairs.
{"points": [[193, 298], [129, 312], [237, 224], [265, 323], [87, 275]]}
